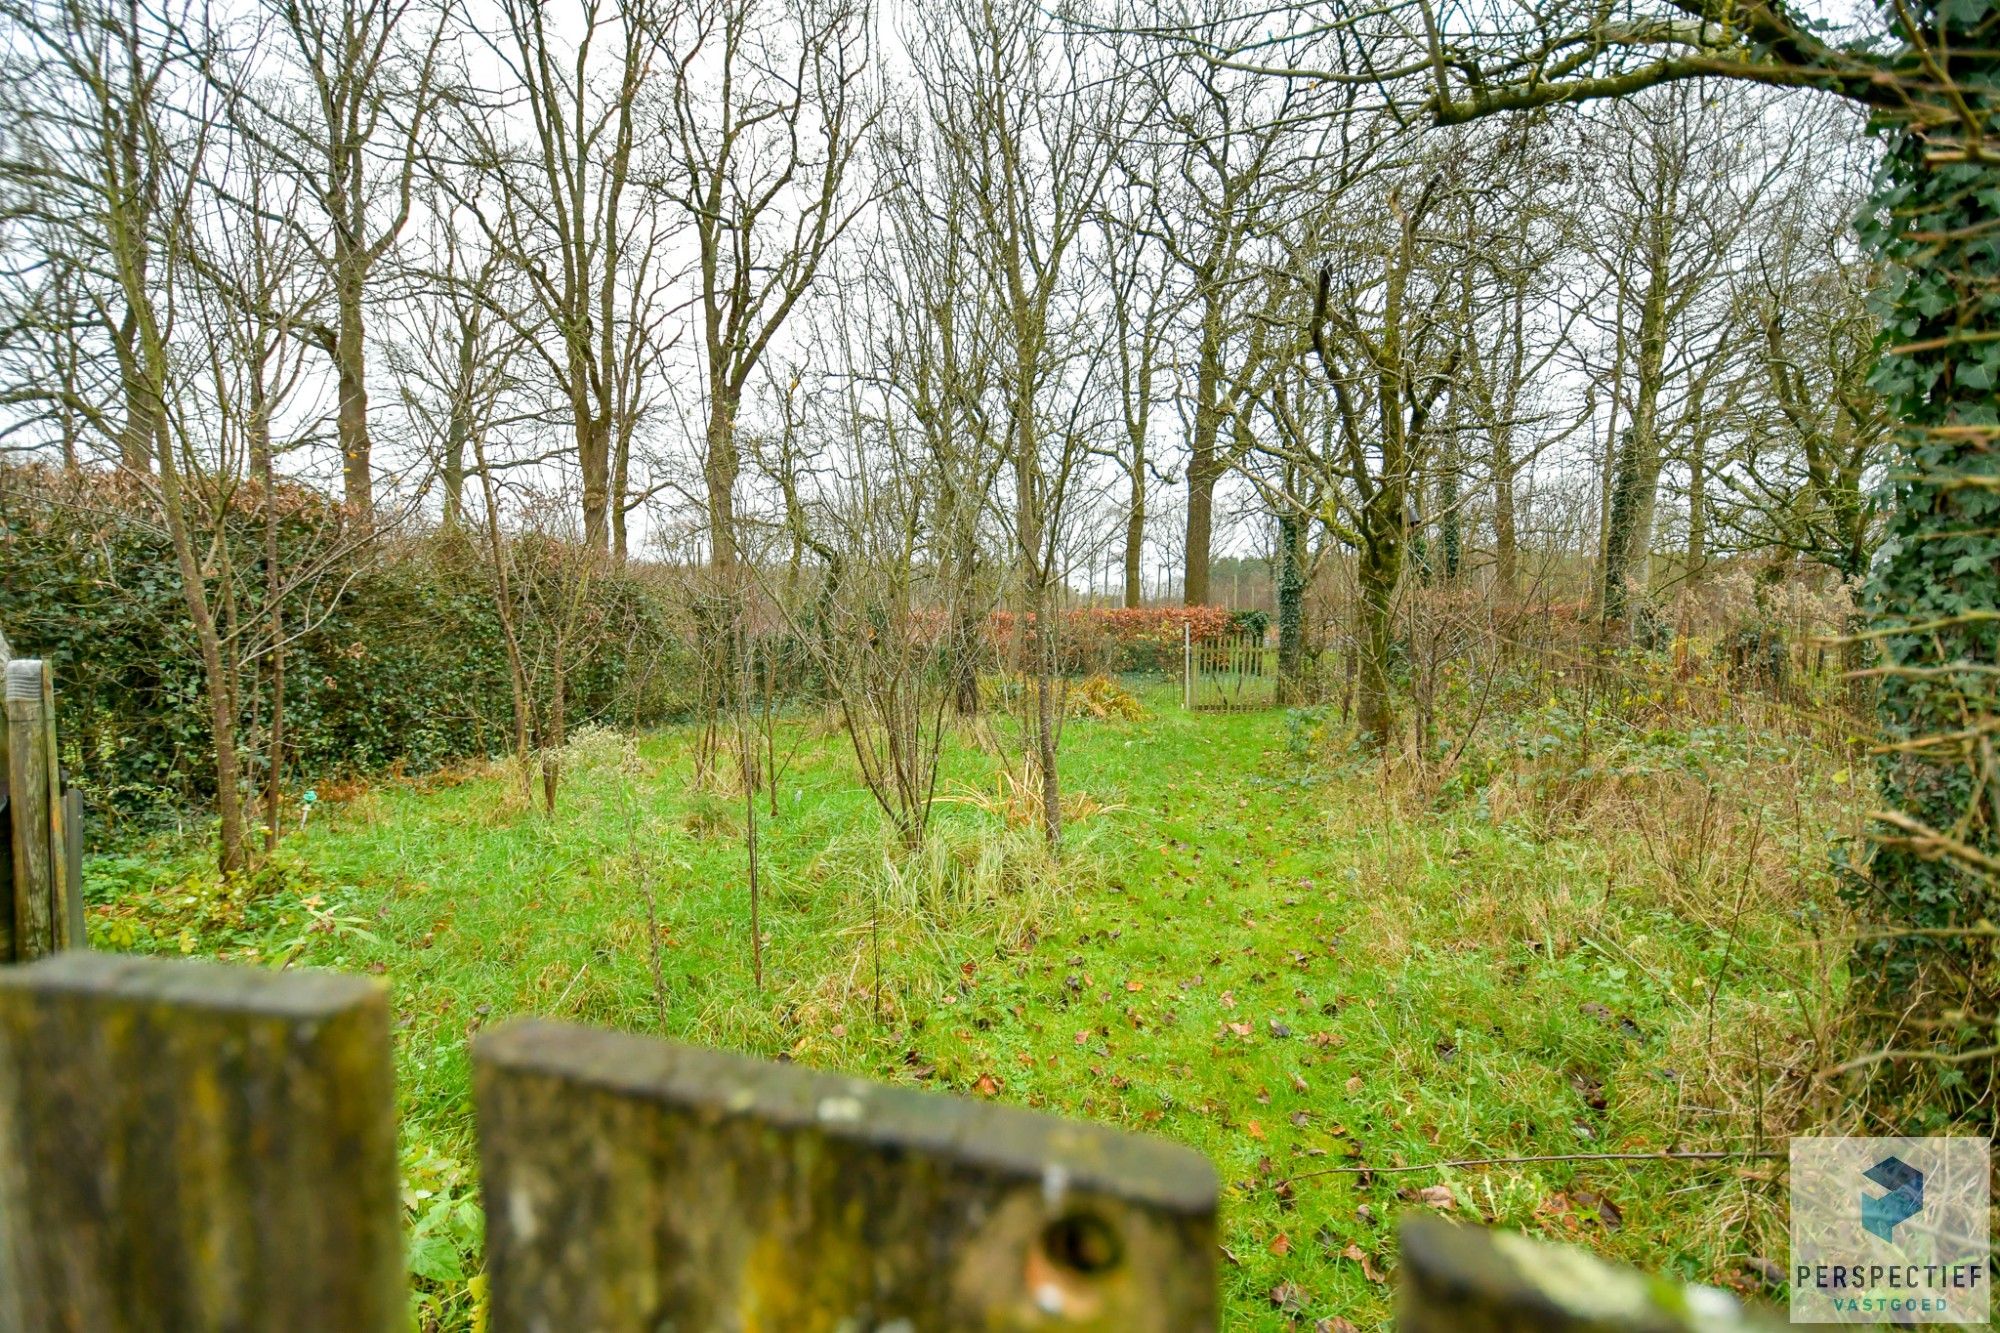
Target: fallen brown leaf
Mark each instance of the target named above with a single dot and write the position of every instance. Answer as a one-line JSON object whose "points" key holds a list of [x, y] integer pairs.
{"points": [[1608, 1212], [1435, 1196], [1367, 1261]]}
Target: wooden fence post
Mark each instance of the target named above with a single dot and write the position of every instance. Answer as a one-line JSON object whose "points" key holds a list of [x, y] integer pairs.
{"points": [[71, 907], [41, 913], [195, 1146], [1187, 667], [635, 1185], [1459, 1278], [7, 951], [41, 837], [6, 836]]}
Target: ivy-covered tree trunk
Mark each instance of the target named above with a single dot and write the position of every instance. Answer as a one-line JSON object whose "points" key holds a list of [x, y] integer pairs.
{"points": [[1450, 539], [1618, 529], [1933, 599]]}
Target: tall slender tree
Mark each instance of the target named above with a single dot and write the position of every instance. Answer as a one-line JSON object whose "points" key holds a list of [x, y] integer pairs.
{"points": [[765, 114], [343, 107]]}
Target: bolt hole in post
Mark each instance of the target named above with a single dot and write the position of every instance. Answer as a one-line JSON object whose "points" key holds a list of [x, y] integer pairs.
{"points": [[1065, 1271]]}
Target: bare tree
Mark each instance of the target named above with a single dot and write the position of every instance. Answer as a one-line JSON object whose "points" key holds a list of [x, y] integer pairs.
{"points": [[1021, 121], [1142, 307], [344, 111], [1691, 177], [1515, 324], [86, 179], [576, 216], [937, 345], [1381, 326], [1814, 431], [1237, 153], [107, 143], [764, 115]]}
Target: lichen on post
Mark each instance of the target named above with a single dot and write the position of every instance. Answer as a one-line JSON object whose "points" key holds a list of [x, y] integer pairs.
{"points": [[635, 1185], [192, 1146]]}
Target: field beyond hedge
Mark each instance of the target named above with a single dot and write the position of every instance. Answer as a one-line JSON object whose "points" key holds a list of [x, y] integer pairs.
{"points": [[1331, 984]]}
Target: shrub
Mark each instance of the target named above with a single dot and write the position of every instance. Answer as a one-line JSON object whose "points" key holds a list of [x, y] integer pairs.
{"points": [[1114, 640], [397, 657]]}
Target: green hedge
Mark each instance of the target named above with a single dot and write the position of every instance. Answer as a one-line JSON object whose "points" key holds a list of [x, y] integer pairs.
{"points": [[401, 664]]}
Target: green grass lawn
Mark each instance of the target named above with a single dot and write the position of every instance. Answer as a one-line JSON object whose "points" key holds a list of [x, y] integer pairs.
{"points": [[1293, 965]]}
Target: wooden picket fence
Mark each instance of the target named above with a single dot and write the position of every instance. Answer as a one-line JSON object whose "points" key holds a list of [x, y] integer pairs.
{"points": [[197, 1146]]}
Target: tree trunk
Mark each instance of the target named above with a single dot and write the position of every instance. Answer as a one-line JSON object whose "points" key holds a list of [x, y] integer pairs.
{"points": [[221, 703], [1613, 587], [1045, 721], [1450, 538], [593, 452], [621, 481], [553, 738], [140, 427], [1697, 542], [967, 640], [1636, 483], [1029, 535], [458, 430], [503, 603], [1607, 472], [1929, 594], [1378, 570], [274, 760], [1506, 548], [1204, 466], [720, 465], [1135, 523], [1202, 474], [1291, 607], [351, 380], [454, 478]]}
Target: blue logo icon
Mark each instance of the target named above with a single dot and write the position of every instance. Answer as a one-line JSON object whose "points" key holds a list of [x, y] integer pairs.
{"points": [[1880, 1213]]}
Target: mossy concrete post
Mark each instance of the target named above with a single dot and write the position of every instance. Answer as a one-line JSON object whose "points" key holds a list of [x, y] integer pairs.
{"points": [[633, 1184], [193, 1146], [1468, 1279]]}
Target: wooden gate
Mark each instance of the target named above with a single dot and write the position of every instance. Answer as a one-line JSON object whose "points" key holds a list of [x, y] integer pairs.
{"points": [[1230, 674]]}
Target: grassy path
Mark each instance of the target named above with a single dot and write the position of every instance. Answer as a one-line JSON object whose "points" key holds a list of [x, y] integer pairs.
{"points": [[1268, 960]]}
